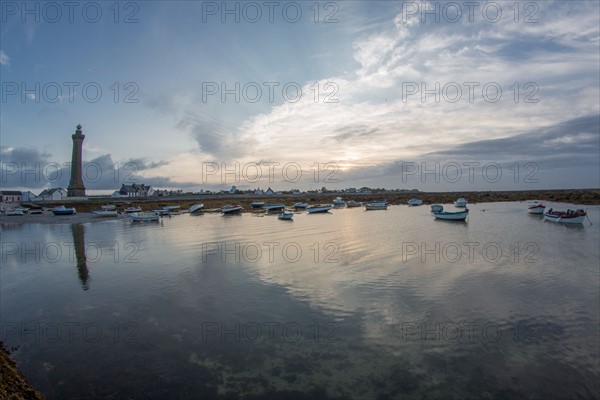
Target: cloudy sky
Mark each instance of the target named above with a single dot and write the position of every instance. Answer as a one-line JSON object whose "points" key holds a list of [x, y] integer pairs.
{"points": [[438, 96]]}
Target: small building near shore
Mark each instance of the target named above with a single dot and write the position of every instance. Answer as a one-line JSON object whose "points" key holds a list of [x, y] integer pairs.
{"points": [[135, 190], [11, 196], [54, 194]]}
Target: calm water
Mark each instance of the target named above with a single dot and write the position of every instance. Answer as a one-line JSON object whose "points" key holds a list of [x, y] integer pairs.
{"points": [[352, 304]]}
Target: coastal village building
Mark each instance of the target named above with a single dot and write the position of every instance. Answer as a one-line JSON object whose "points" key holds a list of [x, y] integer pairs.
{"points": [[11, 196], [28, 196], [54, 194], [135, 190]]}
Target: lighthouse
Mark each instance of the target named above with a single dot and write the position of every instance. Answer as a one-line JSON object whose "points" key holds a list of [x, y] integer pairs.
{"points": [[76, 188]]}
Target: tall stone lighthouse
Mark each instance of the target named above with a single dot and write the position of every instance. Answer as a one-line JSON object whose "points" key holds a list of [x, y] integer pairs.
{"points": [[76, 188]]}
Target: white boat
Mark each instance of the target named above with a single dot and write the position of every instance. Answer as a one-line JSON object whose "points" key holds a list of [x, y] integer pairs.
{"points": [[286, 216], [229, 209], [36, 211], [536, 208], [171, 208], [338, 202], [196, 208], [353, 203], [319, 208], [130, 210], [415, 202], [62, 210], [162, 212], [106, 213], [300, 205], [452, 216], [109, 207], [274, 207], [437, 208], [566, 217], [460, 203], [377, 205], [144, 217], [13, 213], [257, 204]]}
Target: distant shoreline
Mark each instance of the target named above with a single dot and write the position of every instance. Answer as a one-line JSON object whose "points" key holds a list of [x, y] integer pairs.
{"points": [[581, 197]]}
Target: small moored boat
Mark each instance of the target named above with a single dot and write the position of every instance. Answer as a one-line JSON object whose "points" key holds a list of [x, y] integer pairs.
{"points": [[415, 202], [275, 207], [319, 208], [437, 208], [536, 208], [377, 205], [196, 208], [257, 204], [229, 209], [338, 202], [286, 216], [461, 203], [62, 210], [300, 205], [144, 217], [452, 216], [352, 203], [566, 217], [130, 210], [109, 207], [14, 213], [162, 212], [106, 213]]}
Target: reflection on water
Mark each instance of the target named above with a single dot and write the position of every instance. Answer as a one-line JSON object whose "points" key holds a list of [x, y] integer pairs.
{"points": [[350, 304], [79, 245]]}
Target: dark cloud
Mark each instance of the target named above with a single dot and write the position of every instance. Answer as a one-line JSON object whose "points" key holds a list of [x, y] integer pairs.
{"points": [[575, 141]]}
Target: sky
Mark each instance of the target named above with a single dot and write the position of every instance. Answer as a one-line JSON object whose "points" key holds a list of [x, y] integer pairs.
{"points": [[435, 96]]}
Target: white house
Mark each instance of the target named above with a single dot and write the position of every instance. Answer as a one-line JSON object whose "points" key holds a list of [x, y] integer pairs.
{"points": [[28, 196], [135, 190], [232, 190], [116, 194], [54, 194], [270, 192]]}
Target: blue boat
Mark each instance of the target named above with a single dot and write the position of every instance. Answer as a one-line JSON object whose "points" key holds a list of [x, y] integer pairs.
{"points": [[275, 207], [452, 216], [286, 216], [319, 208], [257, 204], [64, 211]]}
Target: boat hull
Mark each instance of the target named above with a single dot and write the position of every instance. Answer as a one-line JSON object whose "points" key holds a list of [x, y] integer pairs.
{"points": [[135, 217], [321, 209], [460, 203], [196, 208], [579, 219], [536, 210], [452, 216], [231, 210], [274, 207], [286, 216], [14, 213], [66, 211], [106, 213]]}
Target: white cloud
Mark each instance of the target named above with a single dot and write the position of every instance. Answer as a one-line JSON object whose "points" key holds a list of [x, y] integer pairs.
{"points": [[4, 58]]}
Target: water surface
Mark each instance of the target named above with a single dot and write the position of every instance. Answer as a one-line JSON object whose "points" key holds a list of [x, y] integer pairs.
{"points": [[351, 304]]}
